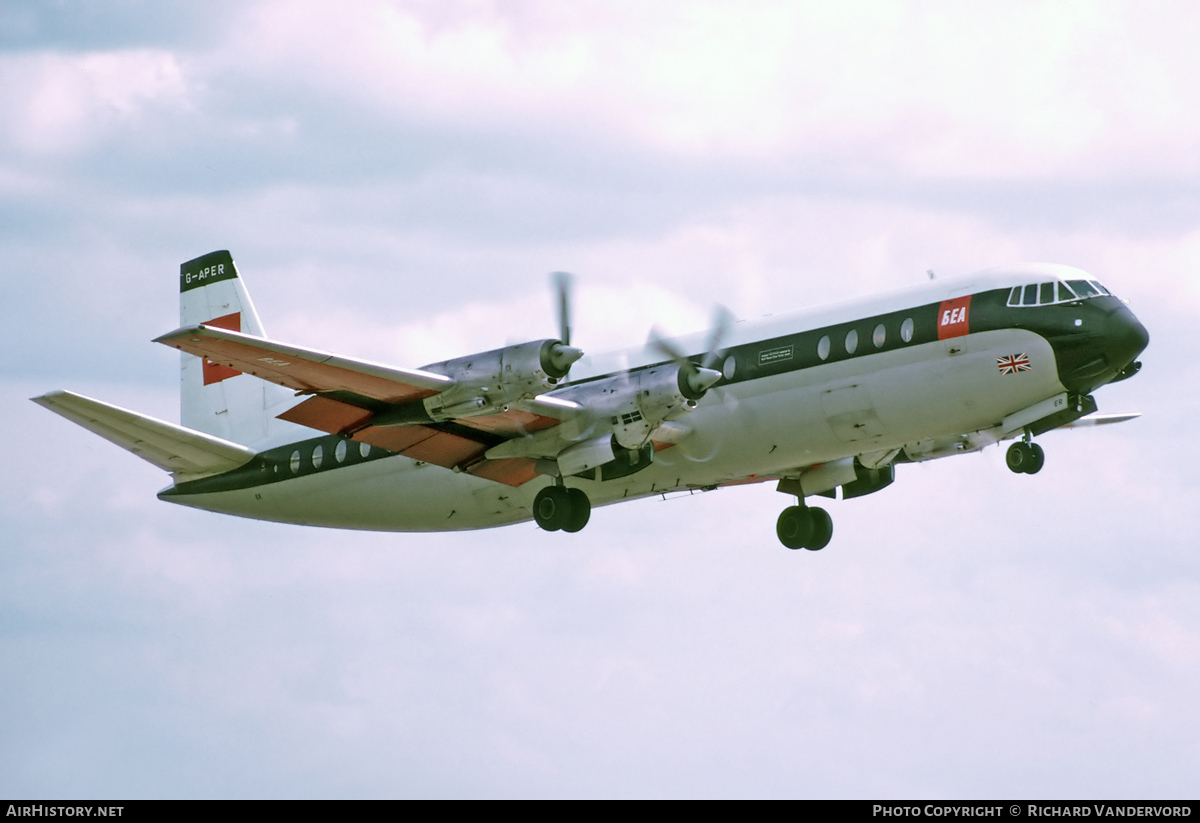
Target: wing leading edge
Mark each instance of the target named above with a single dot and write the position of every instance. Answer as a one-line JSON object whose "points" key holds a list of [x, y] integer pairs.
{"points": [[305, 370]]}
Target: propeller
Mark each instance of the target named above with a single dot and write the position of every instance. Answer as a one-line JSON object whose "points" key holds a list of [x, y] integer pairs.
{"points": [[562, 288], [562, 354], [722, 320], [701, 378]]}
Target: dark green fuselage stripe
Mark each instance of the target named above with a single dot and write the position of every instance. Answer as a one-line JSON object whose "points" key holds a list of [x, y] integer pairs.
{"points": [[275, 465]]}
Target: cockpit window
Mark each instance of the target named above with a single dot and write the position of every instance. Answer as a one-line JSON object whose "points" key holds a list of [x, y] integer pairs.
{"points": [[1083, 288], [1056, 291]]}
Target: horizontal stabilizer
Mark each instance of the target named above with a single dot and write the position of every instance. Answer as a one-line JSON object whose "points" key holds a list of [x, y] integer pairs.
{"points": [[186, 453], [305, 370]]}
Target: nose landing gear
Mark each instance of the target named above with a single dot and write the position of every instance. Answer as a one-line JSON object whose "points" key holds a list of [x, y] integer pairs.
{"points": [[804, 527], [557, 507]]}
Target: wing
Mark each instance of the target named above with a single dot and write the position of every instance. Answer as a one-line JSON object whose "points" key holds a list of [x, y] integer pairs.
{"points": [[348, 395], [187, 454], [305, 370]]}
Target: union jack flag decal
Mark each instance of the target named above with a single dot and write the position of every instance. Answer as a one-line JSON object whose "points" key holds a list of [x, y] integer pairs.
{"points": [[1014, 363]]}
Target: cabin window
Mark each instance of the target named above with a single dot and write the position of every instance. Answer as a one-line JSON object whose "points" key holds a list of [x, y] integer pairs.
{"points": [[906, 330], [729, 367], [295, 462], [879, 337], [1030, 298], [364, 449], [1100, 288], [851, 341], [1046, 293], [823, 346], [339, 453], [317, 456], [1065, 293]]}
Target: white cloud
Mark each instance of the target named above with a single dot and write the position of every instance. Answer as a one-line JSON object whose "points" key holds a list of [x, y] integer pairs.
{"points": [[61, 103], [1079, 89]]}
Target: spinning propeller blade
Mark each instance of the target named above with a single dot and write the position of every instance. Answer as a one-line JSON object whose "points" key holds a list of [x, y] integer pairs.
{"points": [[562, 288], [722, 320], [563, 354], [699, 378]]}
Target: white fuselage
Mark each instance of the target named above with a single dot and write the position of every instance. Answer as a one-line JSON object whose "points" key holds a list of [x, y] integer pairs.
{"points": [[765, 428]]}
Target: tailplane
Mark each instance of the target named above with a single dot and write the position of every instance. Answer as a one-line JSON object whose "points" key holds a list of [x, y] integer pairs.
{"points": [[188, 455], [216, 399]]}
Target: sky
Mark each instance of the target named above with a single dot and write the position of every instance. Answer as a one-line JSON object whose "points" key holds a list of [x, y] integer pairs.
{"points": [[396, 180]]}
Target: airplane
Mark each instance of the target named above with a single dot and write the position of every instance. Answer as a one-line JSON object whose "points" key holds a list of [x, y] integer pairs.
{"points": [[830, 398]]}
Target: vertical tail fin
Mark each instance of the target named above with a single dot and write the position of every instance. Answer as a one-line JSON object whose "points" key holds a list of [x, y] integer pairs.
{"points": [[215, 399]]}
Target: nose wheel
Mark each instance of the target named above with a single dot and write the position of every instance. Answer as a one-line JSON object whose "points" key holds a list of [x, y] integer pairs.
{"points": [[1025, 458], [559, 508], [804, 527]]}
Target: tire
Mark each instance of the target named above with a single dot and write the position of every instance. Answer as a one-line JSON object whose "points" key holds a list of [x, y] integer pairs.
{"points": [[822, 531], [580, 510], [794, 527], [1037, 459], [1018, 458], [552, 508]]}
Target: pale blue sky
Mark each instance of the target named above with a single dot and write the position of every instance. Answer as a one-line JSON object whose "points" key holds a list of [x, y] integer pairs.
{"points": [[395, 181]]}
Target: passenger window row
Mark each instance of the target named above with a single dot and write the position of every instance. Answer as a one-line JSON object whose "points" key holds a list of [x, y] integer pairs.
{"points": [[878, 338], [317, 456]]}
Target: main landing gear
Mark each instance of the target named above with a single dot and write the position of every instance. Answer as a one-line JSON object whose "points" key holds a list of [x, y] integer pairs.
{"points": [[1025, 457], [804, 527], [557, 507]]}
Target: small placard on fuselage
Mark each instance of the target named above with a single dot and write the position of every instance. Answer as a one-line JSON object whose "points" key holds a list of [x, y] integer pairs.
{"points": [[775, 355]]}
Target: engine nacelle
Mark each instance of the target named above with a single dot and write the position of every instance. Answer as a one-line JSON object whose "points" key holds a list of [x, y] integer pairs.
{"points": [[490, 380], [636, 403]]}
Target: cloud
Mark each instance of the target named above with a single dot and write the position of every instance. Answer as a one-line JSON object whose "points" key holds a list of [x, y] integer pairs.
{"points": [[946, 92], [395, 181], [64, 104]]}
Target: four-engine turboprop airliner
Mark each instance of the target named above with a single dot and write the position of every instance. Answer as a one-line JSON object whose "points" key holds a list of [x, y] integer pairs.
{"points": [[830, 398]]}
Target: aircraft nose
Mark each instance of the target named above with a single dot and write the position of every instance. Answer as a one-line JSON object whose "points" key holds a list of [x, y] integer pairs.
{"points": [[1125, 338]]}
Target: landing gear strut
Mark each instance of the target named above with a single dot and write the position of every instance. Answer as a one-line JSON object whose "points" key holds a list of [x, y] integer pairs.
{"points": [[557, 507], [1025, 457], [804, 527]]}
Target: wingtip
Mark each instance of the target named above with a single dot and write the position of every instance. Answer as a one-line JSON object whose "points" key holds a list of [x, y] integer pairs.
{"points": [[166, 339], [49, 397]]}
